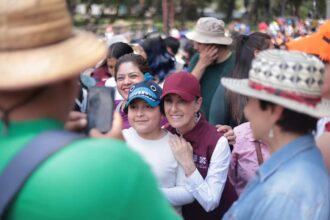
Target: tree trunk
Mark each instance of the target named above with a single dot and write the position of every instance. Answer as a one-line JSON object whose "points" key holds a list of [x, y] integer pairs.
{"points": [[88, 20], [165, 17], [230, 9], [183, 14], [297, 5], [282, 8]]}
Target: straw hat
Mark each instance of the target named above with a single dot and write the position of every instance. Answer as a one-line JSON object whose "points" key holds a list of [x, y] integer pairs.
{"points": [[39, 46], [290, 79], [317, 43], [209, 30]]}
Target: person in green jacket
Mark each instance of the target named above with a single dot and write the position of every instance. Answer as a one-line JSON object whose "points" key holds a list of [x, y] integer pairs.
{"points": [[41, 57], [213, 61]]}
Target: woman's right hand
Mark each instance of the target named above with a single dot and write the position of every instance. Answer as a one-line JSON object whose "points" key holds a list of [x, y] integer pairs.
{"points": [[183, 153]]}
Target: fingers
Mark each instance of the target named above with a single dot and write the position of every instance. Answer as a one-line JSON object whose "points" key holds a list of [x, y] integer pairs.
{"points": [[209, 54], [74, 115], [231, 139], [96, 133], [190, 146], [179, 144], [175, 143], [223, 128], [76, 121], [228, 133], [117, 123], [115, 132], [213, 51]]}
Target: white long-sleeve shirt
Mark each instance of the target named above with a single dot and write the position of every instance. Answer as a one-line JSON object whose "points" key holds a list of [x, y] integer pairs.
{"points": [[207, 191]]}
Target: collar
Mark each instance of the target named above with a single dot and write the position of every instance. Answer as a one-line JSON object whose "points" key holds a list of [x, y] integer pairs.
{"points": [[286, 153], [34, 126], [191, 135], [245, 131], [199, 116], [224, 58]]}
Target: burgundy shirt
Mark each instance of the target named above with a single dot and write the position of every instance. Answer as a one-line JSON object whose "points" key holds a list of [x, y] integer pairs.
{"points": [[327, 127], [203, 138], [101, 75]]}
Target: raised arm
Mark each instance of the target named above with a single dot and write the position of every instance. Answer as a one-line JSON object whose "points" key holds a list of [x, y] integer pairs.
{"points": [[206, 57]]}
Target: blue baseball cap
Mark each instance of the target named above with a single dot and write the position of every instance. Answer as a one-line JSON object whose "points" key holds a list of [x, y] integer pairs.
{"points": [[148, 91]]}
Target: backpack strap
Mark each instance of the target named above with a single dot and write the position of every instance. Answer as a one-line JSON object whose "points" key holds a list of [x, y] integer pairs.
{"points": [[27, 160]]}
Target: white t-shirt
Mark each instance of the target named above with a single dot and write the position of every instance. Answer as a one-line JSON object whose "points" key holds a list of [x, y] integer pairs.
{"points": [[112, 83], [158, 154]]}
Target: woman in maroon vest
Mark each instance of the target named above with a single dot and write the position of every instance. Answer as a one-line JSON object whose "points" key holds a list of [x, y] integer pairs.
{"points": [[203, 152]]}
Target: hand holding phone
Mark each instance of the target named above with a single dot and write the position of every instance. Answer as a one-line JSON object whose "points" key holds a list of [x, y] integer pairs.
{"points": [[114, 133]]}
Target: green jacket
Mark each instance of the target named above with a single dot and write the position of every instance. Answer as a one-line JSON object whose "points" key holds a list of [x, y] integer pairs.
{"points": [[88, 179], [213, 105]]}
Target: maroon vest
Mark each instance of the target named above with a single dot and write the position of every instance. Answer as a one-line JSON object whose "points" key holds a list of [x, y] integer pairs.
{"points": [[203, 138]]}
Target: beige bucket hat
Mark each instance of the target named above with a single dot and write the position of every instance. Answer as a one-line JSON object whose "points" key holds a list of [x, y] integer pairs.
{"points": [[288, 78], [209, 30], [39, 46]]}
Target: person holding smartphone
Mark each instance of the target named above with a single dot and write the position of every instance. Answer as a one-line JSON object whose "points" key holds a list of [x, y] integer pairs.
{"points": [[88, 178]]}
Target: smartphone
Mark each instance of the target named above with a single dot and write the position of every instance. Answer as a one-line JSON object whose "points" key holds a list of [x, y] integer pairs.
{"points": [[100, 107]]}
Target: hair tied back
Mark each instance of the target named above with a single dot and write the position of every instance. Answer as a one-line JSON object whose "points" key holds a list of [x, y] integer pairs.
{"points": [[147, 77]]}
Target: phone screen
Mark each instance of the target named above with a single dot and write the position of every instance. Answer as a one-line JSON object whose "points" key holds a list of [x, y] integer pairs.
{"points": [[100, 107]]}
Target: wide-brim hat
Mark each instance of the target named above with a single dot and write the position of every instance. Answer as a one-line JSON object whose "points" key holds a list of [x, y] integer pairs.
{"points": [[287, 78], [317, 43], [38, 45], [209, 30]]}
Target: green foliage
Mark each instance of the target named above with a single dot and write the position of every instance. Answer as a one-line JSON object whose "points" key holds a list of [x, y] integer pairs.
{"points": [[259, 10]]}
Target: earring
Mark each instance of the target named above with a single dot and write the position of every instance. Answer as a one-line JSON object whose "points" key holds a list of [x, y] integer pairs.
{"points": [[197, 117], [271, 133]]}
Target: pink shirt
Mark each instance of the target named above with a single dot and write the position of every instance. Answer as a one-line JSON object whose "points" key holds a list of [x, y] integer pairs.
{"points": [[244, 161]]}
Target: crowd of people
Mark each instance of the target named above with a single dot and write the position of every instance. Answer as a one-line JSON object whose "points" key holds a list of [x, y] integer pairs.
{"points": [[281, 29], [237, 128]]}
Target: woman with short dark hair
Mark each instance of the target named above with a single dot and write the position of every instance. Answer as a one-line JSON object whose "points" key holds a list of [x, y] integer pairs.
{"points": [[284, 96]]}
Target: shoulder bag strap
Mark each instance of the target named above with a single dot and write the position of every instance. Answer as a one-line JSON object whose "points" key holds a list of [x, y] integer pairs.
{"points": [[27, 160], [258, 152]]}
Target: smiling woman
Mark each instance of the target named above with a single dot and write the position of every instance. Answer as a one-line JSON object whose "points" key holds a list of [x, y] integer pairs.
{"points": [[201, 150], [129, 69]]}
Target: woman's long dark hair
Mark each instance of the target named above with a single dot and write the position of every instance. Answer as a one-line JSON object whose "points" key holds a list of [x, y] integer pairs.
{"points": [[159, 60], [245, 48], [118, 49]]}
